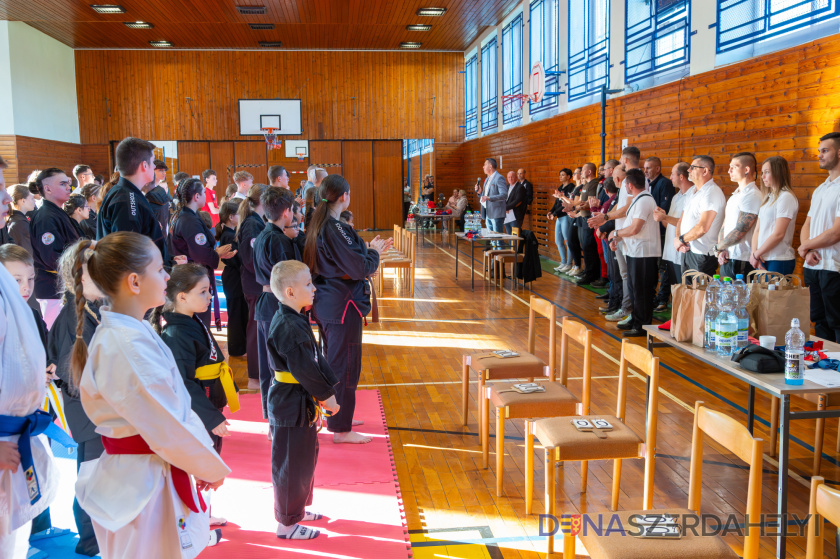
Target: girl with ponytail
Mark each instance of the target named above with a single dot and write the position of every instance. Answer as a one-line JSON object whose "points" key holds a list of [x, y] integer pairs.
{"points": [[237, 306], [139, 493], [251, 224], [189, 235], [341, 263]]}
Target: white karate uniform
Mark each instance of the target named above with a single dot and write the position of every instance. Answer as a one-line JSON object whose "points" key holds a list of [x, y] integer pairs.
{"points": [[130, 386], [23, 366]]}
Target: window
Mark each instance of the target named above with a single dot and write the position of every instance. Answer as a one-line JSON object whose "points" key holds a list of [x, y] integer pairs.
{"points": [[589, 47], [657, 37], [489, 87], [743, 22], [512, 68], [544, 48], [471, 123]]}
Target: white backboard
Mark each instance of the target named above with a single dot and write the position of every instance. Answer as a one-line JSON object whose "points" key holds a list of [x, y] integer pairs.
{"points": [[295, 147], [255, 114]]}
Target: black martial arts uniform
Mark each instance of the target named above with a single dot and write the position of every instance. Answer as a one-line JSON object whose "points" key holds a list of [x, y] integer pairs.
{"points": [[61, 338], [292, 411], [246, 235], [161, 204], [18, 227], [126, 209], [88, 231], [190, 236], [237, 306], [342, 298], [52, 231], [270, 247], [193, 347]]}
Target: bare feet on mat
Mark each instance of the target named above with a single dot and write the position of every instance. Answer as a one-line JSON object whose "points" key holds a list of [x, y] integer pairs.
{"points": [[218, 521], [312, 516], [253, 384], [358, 422], [350, 438], [296, 532]]}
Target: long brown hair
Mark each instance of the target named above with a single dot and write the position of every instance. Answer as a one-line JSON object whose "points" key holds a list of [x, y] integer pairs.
{"points": [[109, 261], [780, 171], [228, 209], [249, 204], [332, 188], [182, 279]]}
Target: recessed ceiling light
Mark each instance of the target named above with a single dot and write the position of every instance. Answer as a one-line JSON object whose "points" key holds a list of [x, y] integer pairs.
{"points": [[160, 44], [138, 24], [259, 26], [271, 44], [410, 45], [418, 27], [251, 10], [431, 12], [108, 8]]}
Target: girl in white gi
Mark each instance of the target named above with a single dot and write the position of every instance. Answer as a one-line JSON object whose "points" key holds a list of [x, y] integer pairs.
{"points": [[22, 391], [139, 494]]}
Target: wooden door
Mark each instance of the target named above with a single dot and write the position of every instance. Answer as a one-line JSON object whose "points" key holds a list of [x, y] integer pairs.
{"points": [[251, 157], [387, 183], [358, 170], [326, 154], [222, 161]]}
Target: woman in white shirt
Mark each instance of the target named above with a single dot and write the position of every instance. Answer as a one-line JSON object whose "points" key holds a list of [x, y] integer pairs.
{"points": [[773, 234]]}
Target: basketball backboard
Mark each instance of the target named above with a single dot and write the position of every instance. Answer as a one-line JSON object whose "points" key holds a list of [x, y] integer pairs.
{"points": [[296, 148], [283, 115]]}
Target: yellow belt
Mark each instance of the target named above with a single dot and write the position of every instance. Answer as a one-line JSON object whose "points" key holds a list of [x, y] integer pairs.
{"points": [[285, 377], [221, 371]]}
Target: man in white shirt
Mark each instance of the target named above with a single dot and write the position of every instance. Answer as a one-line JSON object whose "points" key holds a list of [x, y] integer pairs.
{"points": [[733, 247], [699, 226], [640, 237], [820, 243], [674, 259], [243, 180]]}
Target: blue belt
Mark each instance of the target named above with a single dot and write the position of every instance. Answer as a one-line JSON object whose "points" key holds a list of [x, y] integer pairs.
{"points": [[27, 427]]}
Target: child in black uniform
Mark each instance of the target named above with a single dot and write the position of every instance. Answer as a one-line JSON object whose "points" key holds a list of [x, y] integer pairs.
{"points": [[197, 354], [237, 307], [272, 245], [302, 380]]}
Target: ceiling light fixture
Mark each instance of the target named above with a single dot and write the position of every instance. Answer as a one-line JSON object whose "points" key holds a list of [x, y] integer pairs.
{"points": [[418, 27], [410, 45], [160, 44], [261, 26], [138, 24], [431, 12], [108, 8], [251, 10], [271, 44]]}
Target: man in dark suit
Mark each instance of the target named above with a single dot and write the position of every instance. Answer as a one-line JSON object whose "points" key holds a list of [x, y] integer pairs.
{"points": [[662, 190], [529, 191], [516, 202], [493, 196]]}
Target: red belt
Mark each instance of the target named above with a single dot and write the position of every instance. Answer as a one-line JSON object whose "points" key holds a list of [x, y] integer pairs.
{"points": [[180, 478]]}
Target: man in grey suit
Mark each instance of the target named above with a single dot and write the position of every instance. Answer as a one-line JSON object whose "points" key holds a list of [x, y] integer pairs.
{"points": [[493, 197]]}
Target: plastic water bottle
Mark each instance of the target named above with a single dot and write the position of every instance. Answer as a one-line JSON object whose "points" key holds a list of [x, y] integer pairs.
{"points": [[794, 354], [727, 323], [741, 311], [710, 317]]}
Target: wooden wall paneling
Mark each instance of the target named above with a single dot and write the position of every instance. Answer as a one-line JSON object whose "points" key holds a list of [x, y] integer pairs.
{"points": [[98, 156], [37, 153], [358, 170], [326, 153], [450, 173], [8, 151], [295, 168], [417, 173], [221, 161], [251, 157], [387, 184], [193, 157]]}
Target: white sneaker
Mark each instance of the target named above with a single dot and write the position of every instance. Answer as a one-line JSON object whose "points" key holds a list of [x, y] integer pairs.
{"points": [[618, 315], [558, 268], [626, 320], [574, 271], [565, 268]]}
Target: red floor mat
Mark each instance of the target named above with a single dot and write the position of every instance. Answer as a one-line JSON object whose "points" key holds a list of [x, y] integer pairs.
{"points": [[356, 491]]}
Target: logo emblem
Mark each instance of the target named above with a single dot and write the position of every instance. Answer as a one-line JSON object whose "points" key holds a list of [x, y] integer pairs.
{"points": [[182, 524], [47, 239], [570, 524], [200, 239], [252, 242]]}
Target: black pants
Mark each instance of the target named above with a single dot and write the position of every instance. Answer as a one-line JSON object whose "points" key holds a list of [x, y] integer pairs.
{"points": [[824, 286], [266, 374], [666, 280], [643, 275], [87, 451], [616, 284], [237, 311], [251, 339], [294, 454], [735, 267], [590, 253], [700, 262], [573, 244], [343, 349]]}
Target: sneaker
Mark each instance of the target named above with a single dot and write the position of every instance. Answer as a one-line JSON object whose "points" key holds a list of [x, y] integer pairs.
{"points": [[620, 314], [625, 321], [558, 268], [562, 268], [574, 271]]}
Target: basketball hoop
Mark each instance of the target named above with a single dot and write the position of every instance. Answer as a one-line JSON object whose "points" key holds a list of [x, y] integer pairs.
{"points": [[301, 154], [537, 83], [271, 140]]}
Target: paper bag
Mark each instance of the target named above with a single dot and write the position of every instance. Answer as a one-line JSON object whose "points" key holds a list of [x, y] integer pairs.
{"points": [[758, 280], [684, 306], [777, 307]]}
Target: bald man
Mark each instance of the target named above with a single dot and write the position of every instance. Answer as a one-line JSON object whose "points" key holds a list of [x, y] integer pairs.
{"points": [[529, 191]]}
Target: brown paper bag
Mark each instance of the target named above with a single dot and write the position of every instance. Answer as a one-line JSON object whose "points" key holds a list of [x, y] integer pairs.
{"points": [[684, 307], [758, 280], [776, 308]]}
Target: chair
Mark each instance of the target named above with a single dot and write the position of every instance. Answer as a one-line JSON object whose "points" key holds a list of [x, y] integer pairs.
{"points": [[556, 400], [562, 441], [489, 367], [514, 258], [824, 504], [827, 401], [400, 262], [489, 255], [735, 438]]}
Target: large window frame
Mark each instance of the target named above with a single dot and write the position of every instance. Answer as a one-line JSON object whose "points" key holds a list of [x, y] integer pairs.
{"points": [[589, 56], [470, 97], [512, 69], [544, 46], [657, 38], [489, 86], [767, 19]]}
